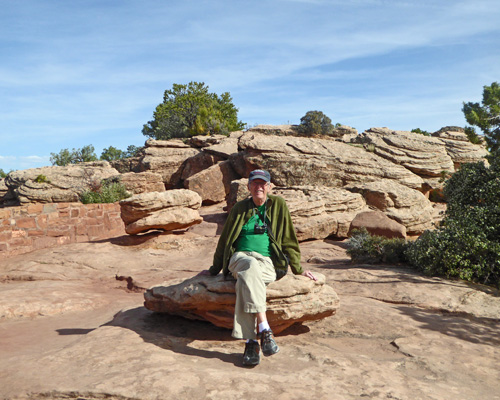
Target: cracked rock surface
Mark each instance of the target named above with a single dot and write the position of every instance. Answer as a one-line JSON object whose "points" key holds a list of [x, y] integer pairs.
{"points": [[70, 330]]}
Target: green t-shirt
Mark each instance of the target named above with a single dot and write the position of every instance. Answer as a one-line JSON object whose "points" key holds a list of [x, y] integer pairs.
{"points": [[251, 241]]}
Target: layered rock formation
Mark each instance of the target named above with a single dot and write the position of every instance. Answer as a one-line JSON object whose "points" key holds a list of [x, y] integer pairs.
{"points": [[293, 299], [57, 184], [170, 210], [299, 161]]}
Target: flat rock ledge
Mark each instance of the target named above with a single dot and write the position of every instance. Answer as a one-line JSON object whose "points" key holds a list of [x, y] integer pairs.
{"points": [[293, 299]]}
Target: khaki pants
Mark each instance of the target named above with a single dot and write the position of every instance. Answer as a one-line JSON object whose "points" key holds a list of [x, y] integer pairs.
{"points": [[252, 272]]}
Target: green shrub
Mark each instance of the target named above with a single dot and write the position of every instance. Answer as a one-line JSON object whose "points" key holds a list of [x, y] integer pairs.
{"points": [[467, 245], [364, 247], [315, 122], [107, 192], [42, 179], [421, 132]]}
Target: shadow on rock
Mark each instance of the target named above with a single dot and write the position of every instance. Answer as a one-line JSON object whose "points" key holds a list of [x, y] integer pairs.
{"points": [[178, 334], [459, 325]]}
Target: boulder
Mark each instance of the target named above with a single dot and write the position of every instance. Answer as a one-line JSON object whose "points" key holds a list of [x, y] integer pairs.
{"points": [[275, 130], [406, 206], [459, 148], [296, 161], [293, 299], [169, 210], [377, 223], [422, 155], [57, 184], [167, 158], [198, 163], [141, 182], [213, 183]]}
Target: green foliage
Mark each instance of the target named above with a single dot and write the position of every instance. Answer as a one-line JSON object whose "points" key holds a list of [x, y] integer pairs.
{"points": [[65, 157], [42, 179], [467, 245], [189, 110], [132, 151], [472, 135], [315, 122], [2, 173], [111, 153], [364, 247], [486, 115], [420, 131], [106, 192]]}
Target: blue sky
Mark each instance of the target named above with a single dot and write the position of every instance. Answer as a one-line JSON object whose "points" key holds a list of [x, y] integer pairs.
{"points": [[81, 72]]}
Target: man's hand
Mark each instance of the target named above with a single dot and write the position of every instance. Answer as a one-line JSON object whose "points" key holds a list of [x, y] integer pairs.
{"points": [[310, 275], [205, 272]]}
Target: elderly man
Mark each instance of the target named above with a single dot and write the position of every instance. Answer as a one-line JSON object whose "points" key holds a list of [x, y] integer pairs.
{"points": [[256, 244]]}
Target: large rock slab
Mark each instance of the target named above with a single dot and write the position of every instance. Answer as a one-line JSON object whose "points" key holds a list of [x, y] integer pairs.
{"points": [[296, 161], [170, 210], [406, 206], [423, 155], [167, 158], [293, 299], [57, 184], [212, 184]]}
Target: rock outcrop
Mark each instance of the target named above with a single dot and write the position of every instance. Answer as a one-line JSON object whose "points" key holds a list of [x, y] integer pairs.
{"points": [[212, 184], [167, 158], [170, 210], [293, 299], [423, 155], [297, 161], [57, 184], [459, 148], [400, 203]]}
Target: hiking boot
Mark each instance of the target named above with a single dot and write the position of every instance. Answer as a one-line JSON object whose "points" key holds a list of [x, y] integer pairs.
{"points": [[269, 346], [251, 356]]}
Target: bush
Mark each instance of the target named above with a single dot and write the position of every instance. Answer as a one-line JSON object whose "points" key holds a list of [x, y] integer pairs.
{"points": [[364, 247], [107, 192], [315, 122], [467, 245]]}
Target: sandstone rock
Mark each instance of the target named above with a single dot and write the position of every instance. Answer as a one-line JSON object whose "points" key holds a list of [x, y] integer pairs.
{"points": [[295, 161], [407, 206], [377, 223], [57, 184], [213, 183], [205, 141], [459, 148], [423, 155], [141, 182], [225, 148], [293, 299], [124, 165], [198, 163], [167, 158], [344, 131], [275, 130], [170, 210]]}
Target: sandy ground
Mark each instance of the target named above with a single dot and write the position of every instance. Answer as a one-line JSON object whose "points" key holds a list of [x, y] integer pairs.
{"points": [[70, 330]]}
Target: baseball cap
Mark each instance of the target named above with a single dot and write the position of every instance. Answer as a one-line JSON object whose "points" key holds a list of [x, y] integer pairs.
{"points": [[259, 174]]}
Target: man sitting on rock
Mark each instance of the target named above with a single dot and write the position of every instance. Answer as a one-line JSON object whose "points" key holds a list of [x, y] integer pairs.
{"points": [[256, 241]]}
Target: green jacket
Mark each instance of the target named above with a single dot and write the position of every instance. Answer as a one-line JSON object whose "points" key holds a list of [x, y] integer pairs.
{"points": [[281, 226]]}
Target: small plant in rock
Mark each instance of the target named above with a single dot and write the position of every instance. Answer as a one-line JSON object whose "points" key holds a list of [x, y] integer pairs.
{"points": [[42, 179], [107, 192], [364, 247]]}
